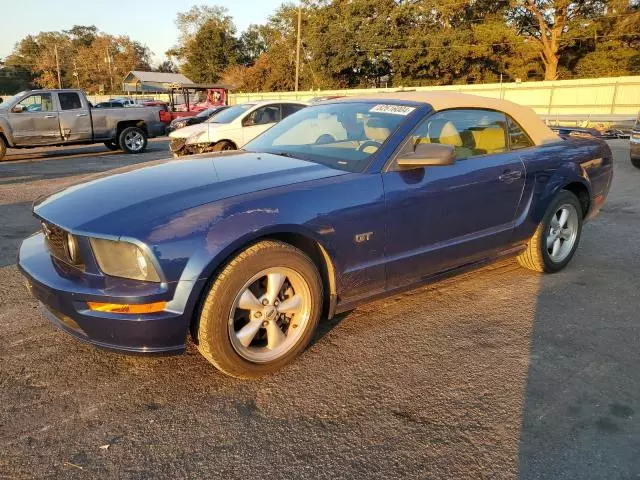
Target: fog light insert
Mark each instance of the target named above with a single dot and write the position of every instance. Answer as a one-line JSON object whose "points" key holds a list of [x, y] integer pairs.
{"points": [[127, 308]]}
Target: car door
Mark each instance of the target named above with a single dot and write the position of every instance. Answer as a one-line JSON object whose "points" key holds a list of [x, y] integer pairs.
{"points": [[75, 118], [34, 120], [445, 216], [260, 120]]}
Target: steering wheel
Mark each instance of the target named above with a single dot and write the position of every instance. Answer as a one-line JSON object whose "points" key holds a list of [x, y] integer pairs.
{"points": [[324, 139], [369, 143]]}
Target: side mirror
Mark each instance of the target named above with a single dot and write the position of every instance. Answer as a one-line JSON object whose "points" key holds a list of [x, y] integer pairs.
{"points": [[427, 155], [18, 109]]}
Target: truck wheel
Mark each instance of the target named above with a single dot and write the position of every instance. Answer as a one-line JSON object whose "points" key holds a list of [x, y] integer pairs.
{"points": [[113, 146], [133, 140], [3, 148], [261, 311], [556, 238], [223, 146]]}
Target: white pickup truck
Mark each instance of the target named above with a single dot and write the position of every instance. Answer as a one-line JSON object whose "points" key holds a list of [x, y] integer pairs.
{"points": [[39, 118]]}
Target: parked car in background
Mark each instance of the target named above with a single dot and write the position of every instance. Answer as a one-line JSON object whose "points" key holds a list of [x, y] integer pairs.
{"points": [[203, 116], [337, 204], [634, 143], [65, 117], [110, 104], [231, 128]]}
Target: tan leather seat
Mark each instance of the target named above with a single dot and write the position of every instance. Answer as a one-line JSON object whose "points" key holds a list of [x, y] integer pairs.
{"points": [[489, 140], [375, 130], [445, 132]]}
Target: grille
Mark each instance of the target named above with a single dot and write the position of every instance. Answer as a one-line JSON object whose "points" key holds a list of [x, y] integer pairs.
{"points": [[177, 144], [56, 243]]}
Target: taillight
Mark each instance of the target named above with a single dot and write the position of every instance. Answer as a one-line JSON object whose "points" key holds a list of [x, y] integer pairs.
{"points": [[165, 117]]}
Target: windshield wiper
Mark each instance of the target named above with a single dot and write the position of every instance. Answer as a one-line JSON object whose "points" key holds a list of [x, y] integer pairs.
{"points": [[285, 154]]}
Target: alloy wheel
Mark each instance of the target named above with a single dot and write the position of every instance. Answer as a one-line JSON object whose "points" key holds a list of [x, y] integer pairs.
{"points": [[562, 233], [269, 314]]}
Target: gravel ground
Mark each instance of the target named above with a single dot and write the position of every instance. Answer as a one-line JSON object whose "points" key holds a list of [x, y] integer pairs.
{"points": [[500, 373]]}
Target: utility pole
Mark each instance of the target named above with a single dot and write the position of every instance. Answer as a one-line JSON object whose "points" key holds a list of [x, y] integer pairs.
{"points": [[108, 60], [298, 46], [55, 49], [75, 74]]}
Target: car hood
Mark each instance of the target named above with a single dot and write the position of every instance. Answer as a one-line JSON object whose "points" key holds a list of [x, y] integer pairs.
{"points": [[118, 204]]}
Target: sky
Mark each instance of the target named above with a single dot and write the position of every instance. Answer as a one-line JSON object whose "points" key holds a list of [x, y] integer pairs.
{"points": [[151, 23]]}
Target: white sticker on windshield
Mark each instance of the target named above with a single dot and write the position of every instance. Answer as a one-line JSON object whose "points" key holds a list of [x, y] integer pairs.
{"points": [[393, 109]]}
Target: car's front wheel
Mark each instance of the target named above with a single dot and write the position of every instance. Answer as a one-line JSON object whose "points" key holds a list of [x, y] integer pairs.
{"points": [[133, 140], [635, 162], [261, 311], [556, 238]]}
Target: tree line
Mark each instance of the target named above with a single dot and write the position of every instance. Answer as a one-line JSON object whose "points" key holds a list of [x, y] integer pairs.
{"points": [[365, 43], [84, 56]]}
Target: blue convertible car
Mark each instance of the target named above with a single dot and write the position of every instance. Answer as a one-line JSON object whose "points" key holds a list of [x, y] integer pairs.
{"points": [[341, 202]]}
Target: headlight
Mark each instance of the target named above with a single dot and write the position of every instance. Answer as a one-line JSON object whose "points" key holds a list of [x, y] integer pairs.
{"points": [[635, 136], [124, 259], [71, 248]]}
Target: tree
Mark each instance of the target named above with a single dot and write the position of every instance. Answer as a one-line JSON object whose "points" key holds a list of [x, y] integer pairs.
{"points": [[167, 66], [549, 24], [252, 44], [212, 50]]}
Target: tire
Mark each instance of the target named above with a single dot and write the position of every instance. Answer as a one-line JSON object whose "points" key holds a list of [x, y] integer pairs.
{"points": [[133, 140], [3, 148], [222, 317], [635, 162], [538, 256], [223, 146], [113, 146]]}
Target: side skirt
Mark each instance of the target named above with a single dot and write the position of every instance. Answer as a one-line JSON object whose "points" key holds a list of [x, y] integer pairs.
{"points": [[350, 304]]}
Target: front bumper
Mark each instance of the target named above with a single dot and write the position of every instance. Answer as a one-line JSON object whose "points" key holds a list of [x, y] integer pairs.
{"points": [[64, 292]]}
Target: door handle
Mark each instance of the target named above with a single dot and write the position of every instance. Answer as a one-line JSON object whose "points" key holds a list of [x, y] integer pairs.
{"points": [[509, 176], [49, 116], [81, 114]]}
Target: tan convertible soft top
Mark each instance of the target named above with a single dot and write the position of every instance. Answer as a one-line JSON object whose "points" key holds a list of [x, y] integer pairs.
{"points": [[525, 116]]}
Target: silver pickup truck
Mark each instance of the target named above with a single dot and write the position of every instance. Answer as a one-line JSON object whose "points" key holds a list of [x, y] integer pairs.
{"points": [[39, 118]]}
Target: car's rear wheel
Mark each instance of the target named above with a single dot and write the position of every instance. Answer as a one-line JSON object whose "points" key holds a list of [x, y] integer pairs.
{"points": [[133, 140], [113, 146], [261, 311], [556, 238], [3, 148], [223, 146]]}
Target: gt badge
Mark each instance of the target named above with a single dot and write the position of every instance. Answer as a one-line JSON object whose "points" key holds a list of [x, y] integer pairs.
{"points": [[363, 237]]}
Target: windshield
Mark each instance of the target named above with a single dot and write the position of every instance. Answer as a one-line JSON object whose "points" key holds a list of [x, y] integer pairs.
{"points": [[205, 113], [6, 101], [230, 114], [340, 135]]}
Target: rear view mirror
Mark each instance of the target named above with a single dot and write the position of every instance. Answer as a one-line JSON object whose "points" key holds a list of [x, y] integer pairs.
{"points": [[427, 155]]}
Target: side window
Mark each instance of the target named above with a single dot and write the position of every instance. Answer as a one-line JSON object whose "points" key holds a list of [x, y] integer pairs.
{"points": [[517, 137], [69, 101], [263, 116], [37, 103], [471, 132], [289, 108]]}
